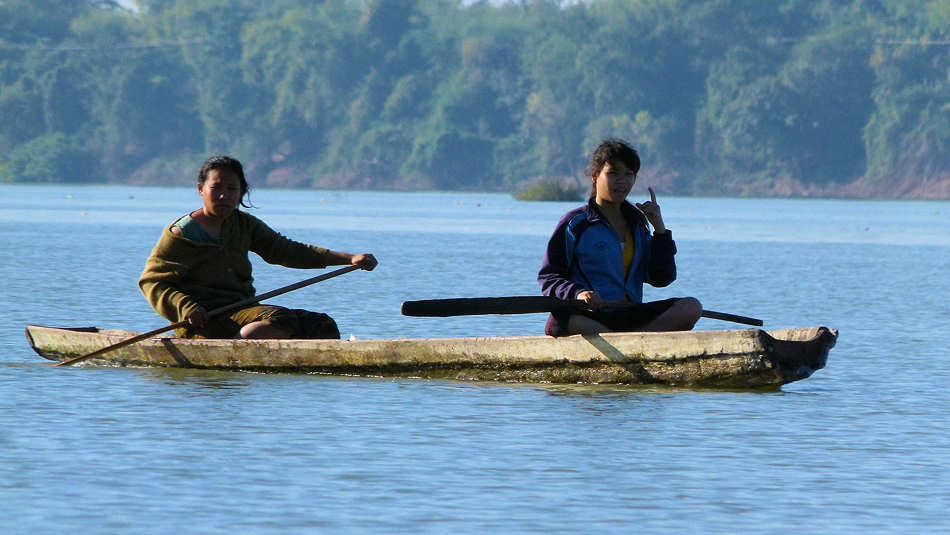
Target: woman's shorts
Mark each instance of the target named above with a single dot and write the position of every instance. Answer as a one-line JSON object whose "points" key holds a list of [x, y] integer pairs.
{"points": [[298, 322], [620, 320]]}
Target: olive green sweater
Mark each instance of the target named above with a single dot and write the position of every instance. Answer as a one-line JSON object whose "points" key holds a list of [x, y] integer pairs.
{"points": [[182, 274]]}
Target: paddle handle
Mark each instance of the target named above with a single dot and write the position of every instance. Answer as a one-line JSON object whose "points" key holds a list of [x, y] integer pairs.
{"points": [[213, 313], [731, 317], [283, 290]]}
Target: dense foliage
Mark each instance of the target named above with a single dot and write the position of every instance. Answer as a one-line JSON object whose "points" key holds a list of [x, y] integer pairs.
{"points": [[552, 189], [795, 97]]}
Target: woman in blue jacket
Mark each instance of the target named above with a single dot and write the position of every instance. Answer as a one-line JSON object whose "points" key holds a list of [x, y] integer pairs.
{"points": [[604, 252]]}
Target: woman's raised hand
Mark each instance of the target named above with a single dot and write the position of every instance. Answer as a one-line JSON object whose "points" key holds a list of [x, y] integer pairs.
{"points": [[652, 211]]}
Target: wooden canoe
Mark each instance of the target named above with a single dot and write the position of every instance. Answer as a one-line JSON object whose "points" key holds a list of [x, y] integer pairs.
{"points": [[749, 358]]}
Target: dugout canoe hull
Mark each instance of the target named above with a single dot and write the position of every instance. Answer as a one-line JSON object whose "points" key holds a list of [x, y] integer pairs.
{"points": [[748, 358]]}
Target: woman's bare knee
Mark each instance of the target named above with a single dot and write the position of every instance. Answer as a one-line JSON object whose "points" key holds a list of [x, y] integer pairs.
{"points": [[262, 330], [681, 316], [690, 311]]}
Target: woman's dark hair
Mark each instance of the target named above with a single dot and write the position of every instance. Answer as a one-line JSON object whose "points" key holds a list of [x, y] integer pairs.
{"points": [[612, 150], [225, 163]]}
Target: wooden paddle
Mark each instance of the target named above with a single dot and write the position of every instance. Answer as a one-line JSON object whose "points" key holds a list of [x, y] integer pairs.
{"points": [[215, 312], [525, 305]]}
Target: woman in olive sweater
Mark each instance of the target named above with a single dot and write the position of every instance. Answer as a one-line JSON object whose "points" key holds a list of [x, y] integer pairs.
{"points": [[201, 263]]}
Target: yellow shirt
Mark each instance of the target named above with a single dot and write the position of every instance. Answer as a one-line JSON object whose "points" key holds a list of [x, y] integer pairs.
{"points": [[627, 252]]}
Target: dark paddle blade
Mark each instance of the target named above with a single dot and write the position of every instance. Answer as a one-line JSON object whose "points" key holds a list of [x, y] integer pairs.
{"points": [[470, 306], [213, 313]]}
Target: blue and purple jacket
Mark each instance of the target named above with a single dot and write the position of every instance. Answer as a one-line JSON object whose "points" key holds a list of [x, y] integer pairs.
{"points": [[585, 253]]}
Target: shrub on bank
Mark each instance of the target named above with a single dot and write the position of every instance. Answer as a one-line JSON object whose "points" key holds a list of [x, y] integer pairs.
{"points": [[551, 189]]}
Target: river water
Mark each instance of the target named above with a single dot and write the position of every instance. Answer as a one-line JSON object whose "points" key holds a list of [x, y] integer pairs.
{"points": [[862, 445]]}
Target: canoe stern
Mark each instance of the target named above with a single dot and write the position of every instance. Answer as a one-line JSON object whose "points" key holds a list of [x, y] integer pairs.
{"points": [[798, 353]]}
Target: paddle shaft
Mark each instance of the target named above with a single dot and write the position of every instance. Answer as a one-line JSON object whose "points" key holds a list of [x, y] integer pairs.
{"points": [[731, 317], [526, 305], [213, 313]]}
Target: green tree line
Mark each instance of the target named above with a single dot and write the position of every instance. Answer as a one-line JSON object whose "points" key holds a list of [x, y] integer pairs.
{"points": [[721, 97]]}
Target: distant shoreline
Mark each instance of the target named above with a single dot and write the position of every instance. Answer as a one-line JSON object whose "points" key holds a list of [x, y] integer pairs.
{"points": [[839, 194]]}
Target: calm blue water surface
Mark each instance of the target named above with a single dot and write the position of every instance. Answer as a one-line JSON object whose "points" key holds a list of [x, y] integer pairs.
{"points": [[861, 446]]}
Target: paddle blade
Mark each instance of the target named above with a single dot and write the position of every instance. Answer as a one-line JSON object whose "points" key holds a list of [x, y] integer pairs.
{"points": [[483, 305]]}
